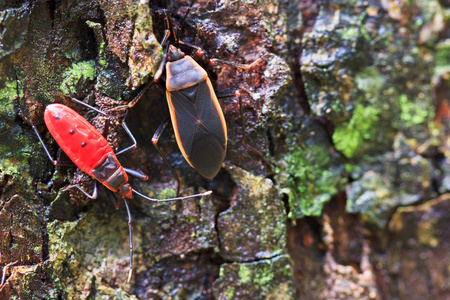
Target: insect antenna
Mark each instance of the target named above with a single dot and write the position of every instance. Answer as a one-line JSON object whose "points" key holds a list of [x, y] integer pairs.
{"points": [[177, 37], [130, 273], [131, 240], [172, 199], [161, 65]]}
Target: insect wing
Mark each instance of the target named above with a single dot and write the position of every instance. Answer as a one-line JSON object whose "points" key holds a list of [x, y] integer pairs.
{"points": [[199, 127], [82, 143]]}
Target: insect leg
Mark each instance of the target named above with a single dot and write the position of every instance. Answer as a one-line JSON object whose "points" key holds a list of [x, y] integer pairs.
{"points": [[106, 128], [94, 192], [85, 104], [112, 198], [240, 66], [54, 161], [138, 174], [131, 241], [237, 93], [177, 39], [160, 70], [127, 130], [173, 199], [124, 125], [241, 110], [5, 269], [155, 140], [135, 100], [198, 51]]}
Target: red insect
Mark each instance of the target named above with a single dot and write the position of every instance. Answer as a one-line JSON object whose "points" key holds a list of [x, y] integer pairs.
{"points": [[86, 148], [89, 150]]}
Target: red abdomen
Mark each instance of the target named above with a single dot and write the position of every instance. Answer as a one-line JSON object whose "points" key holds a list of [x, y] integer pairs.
{"points": [[82, 143]]}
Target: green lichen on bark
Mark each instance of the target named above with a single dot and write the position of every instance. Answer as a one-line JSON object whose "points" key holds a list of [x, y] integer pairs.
{"points": [[312, 179], [358, 134], [358, 86], [265, 279], [77, 73], [254, 226]]}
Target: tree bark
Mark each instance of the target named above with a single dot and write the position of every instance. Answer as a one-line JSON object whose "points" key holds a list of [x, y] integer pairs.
{"points": [[349, 109]]}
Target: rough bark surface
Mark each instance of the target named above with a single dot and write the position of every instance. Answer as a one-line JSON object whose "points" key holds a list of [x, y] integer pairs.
{"points": [[349, 109]]}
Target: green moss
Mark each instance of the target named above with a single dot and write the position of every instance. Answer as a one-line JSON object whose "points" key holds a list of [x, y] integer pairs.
{"points": [[412, 112], [8, 95], [312, 180], [443, 54], [78, 72], [9, 91], [229, 293], [350, 138], [256, 280], [426, 233], [350, 34], [371, 82], [13, 161], [166, 194], [265, 276], [245, 274]]}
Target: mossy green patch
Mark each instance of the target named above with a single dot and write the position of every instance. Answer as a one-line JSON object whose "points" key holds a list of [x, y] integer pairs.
{"points": [[167, 193], [412, 112], [245, 274], [8, 94], [229, 292], [9, 90], [12, 160], [350, 138], [78, 72], [442, 58], [443, 54], [255, 280], [312, 180], [350, 34], [370, 81]]}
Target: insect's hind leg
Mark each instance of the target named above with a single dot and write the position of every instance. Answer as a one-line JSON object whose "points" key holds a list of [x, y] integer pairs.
{"points": [[236, 65], [107, 117], [131, 241], [47, 151], [135, 99], [244, 130], [85, 104], [155, 140], [138, 174], [112, 198], [75, 186]]}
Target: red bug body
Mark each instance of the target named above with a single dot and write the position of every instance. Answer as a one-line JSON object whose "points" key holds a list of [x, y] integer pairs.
{"points": [[86, 147], [90, 151]]}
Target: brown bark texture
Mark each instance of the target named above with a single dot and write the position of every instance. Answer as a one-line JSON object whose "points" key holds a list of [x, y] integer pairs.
{"points": [[345, 197]]}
